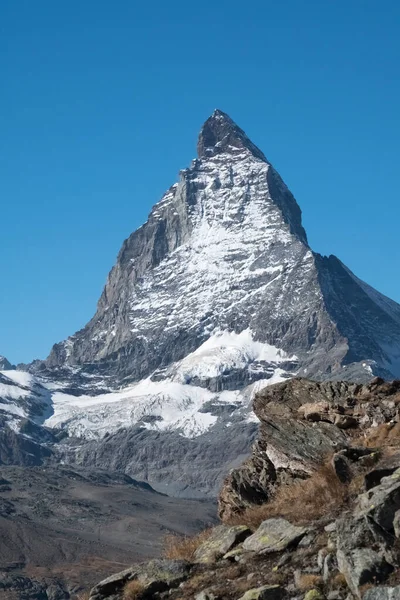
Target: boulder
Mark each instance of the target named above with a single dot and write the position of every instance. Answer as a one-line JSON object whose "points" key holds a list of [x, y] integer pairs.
{"points": [[382, 593], [361, 566], [266, 592], [248, 485], [396, 523], [382, 501], [220, 542], [156, 575], [274, 535], [386, 467], [314, 595], [315, 411], [342, 467], [363, 552], [346, 421], [205, 595]]}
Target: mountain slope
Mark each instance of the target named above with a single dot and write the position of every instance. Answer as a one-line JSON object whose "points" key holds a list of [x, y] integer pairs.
{"points": [[225, 250], [217, 295]]}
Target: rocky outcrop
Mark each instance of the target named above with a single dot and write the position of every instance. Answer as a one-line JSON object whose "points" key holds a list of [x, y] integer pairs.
{"points": [[154, 577], [302, 423], [221, 541]]}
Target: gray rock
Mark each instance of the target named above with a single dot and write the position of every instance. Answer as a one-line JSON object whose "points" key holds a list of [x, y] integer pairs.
{"points": [[112, 585], [205, 595], [382, 501], [156, 575], [274, 535], [386, 467], [222, 539], [327, 567], [382, 593], [357, 561], [396, 523], [342, 468], [334, 595], [266, 592], [321, 557], [307, 540], [314, 594]]}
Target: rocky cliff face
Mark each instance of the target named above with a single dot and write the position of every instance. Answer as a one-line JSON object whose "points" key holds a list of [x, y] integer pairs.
{"points": [[302, 422], [225, 250]]}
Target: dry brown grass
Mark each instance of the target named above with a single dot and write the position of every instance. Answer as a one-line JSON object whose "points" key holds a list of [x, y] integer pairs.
{"points": [[133, 590], [386, 434], [307, 581], [184, 547], [338, 581], [320, 495], [83, 596]]}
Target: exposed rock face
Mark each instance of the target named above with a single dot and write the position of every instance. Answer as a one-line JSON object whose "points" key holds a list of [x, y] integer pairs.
{"points": [[155, 576], [225, 248], [221, 541], [295, 439], [362, 552], [274, 535], [5, 365]]}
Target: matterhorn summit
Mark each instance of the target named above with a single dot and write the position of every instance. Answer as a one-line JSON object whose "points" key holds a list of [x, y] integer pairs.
{"points": [[225, 251], [217, 295]]}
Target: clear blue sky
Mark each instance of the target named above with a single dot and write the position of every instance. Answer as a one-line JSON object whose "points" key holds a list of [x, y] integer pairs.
{"points": [[100, 106]]}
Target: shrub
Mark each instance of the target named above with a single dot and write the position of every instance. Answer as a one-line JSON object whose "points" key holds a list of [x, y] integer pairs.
{"points": [[133, 590], [386, 434], [184, 547], [302, 501], [307, 581], [338, 581]]}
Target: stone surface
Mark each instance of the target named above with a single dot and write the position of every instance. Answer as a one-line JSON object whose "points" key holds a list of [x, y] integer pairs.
{"points": [[386, 467], [342, 468], [290, 447], [363, 550], [221, 541], [156, 575], [314, 595], [396, 523], [382, 593], [274, 535], [230, 188], [205, 595], [266, 592], [382, 501]]}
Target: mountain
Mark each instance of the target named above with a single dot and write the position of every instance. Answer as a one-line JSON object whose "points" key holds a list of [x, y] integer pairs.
{"points": [[224, 252], [66, 528], [5, 365], [216, 296]]}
